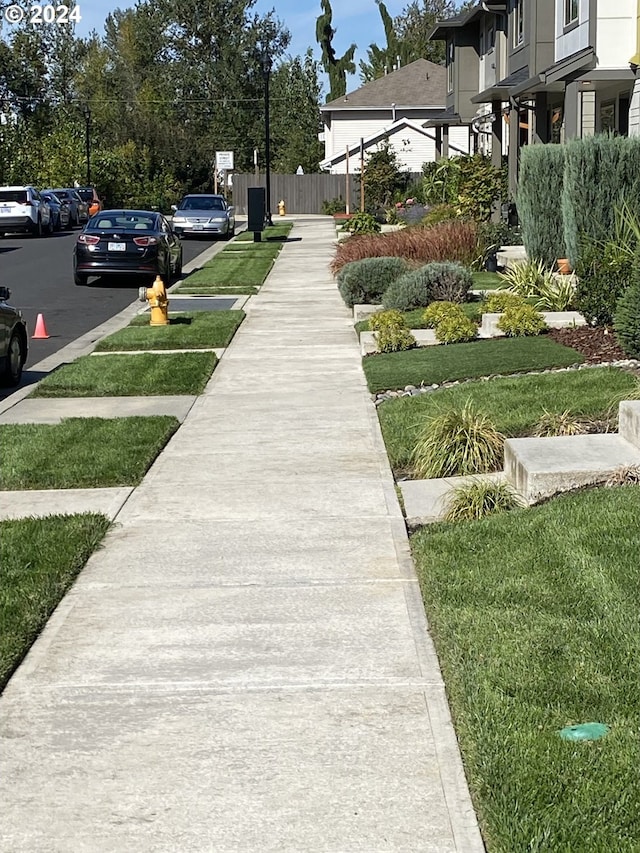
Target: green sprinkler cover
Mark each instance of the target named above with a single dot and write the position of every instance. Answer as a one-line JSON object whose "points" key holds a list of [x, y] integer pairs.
{"points": [[584, 731]]}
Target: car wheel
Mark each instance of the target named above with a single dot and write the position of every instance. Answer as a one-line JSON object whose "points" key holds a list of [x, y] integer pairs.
{"points": [[37, 229], [79, 278], [178, 269], [69, 224], [50, 227], [16, 357]]}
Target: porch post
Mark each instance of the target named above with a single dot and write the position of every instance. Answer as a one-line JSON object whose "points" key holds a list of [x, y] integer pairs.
{"points": [[543, 123], [445, 140], [438, 142], [496, 134], [514, 146], [572, 110]]}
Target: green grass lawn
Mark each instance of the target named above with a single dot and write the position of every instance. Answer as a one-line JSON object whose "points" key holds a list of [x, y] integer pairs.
{"points": [[81, 453], [39, 560], [486, 280], [437, 364], [130, 375], [534, 615], [249, 249], [186, 330], [277, 232], [231, 271], [514, 404]]}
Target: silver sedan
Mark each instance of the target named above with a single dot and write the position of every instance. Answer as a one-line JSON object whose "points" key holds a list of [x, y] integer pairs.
{"points": [[205, 214]]}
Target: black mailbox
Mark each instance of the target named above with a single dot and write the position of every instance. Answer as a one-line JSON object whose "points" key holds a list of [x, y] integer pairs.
{"points": [[256, 209]]}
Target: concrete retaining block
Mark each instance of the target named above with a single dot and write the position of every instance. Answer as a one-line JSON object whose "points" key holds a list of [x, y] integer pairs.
{"points": [[424, 338], [363, 312], [553, 319], [629, 421], [541, 467]]}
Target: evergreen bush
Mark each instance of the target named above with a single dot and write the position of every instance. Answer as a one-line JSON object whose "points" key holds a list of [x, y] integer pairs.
{"points": [[627, 315], [521, 321], [409, 291], [500, 300], [538, 199], [456, 329], [604, 273], [363, 282], [437, 311], [449, 282], [362, 223], [381, 319], [600, 173]]}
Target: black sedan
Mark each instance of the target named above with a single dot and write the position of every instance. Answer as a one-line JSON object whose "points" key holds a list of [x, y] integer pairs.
{"points": [[127, 243], [13, 341]]}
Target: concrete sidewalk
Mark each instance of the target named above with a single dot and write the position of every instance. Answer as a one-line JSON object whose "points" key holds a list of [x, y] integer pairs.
{"points": [[245, 666]]}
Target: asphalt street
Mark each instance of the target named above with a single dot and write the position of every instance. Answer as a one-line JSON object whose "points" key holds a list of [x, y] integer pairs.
{"points": [[39, 273]]}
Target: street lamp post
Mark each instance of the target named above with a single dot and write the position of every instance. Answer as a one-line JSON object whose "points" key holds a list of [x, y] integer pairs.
{"points": [[266, 73], [87, 141]]}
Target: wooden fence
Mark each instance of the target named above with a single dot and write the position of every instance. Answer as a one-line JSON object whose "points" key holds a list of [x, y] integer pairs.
{"points": [[301, 193]]}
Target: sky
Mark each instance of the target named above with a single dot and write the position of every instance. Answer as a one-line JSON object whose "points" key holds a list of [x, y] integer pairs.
{"points": [[356, 21]]}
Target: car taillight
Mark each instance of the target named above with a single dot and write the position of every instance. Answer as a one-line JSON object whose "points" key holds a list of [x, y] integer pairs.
{"points": [[88, 239], [145, 241]]}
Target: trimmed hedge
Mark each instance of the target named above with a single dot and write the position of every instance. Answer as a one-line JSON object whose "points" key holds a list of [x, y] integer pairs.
{"points": [[538, 200]]}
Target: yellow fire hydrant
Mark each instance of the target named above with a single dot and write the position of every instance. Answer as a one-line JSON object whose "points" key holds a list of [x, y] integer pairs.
{"points": [[281, 208], [156, 296]]}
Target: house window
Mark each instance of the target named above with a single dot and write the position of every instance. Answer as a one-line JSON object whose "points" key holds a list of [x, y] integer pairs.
{"points": [[450, 54], [570, 12], [517, 10]]}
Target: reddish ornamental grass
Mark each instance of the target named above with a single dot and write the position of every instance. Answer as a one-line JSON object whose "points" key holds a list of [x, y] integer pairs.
{"points": [[447, 241]]}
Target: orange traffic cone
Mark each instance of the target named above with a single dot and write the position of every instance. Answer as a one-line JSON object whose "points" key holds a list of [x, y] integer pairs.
{"points": [[41, 329]]}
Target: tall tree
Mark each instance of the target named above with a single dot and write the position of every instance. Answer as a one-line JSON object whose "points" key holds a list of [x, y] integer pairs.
{"points": [[336, 68], [417, 20], [382, 60], [295, 115]]}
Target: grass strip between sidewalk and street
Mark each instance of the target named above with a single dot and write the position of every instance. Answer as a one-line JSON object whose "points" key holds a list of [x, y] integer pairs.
{"points": [[276, 233], [534, 615], [514, 404], [186, 330], [215, 290], [39, 561], [82, 453], [130, 375], [437, 364]]}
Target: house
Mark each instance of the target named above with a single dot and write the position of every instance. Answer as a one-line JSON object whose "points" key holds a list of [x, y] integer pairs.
{"points": [[393, 108], [553, 69]]}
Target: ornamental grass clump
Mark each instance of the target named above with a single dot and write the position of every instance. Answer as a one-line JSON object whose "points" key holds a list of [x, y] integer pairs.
{"points": [[391, 332], [557, 294], [363, 282], [559, 423], [481, 498], [448, 241], [521, 321], [526, 278], [460, 440]]}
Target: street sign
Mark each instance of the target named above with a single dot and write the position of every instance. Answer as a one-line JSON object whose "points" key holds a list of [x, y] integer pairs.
{"points": [[224, 161]]}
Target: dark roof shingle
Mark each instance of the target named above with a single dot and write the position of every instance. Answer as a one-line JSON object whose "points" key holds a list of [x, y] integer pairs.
{"points": [[420, 83]]}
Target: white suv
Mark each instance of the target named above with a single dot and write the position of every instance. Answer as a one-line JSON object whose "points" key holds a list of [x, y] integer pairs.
{"points": [[23, 209]]}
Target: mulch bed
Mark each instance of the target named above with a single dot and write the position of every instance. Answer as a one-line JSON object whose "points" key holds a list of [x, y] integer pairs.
{"points": [[596, 344]]}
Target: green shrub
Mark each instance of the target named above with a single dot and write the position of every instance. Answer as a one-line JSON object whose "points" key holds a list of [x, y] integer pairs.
{"points": [[498, 234], [458, 441], [391, 317], [470, 182], [526, 278], [520, 321], [391, 332], [499, 300], [481, 498], [627, 316], [456, 329], [449, 282], [363, 282], [409, 291], [439, 213], [336, 205], [604, 273], [362, 223], [538, 199], [437, 311]]}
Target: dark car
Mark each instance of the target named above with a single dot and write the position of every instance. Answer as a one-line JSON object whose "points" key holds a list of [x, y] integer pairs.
{"points": [[78, 208], [60, 210], [127, 243], [13, 341], [204, 214]]}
